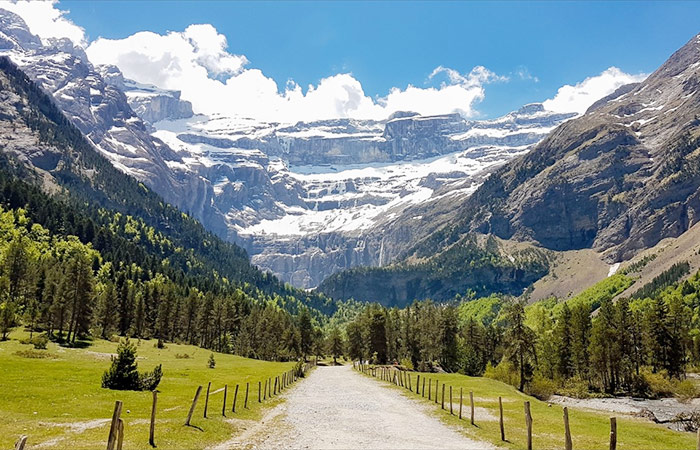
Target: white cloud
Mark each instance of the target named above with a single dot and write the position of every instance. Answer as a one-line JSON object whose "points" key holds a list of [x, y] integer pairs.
{"points": [[45, 20], [579, 97], [196, 62]]}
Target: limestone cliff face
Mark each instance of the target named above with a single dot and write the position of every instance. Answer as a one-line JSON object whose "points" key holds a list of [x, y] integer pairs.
{"points": [[618, 179]]}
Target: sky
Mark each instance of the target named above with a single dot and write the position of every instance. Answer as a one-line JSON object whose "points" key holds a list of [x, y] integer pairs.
{"points": [[287, 61]]}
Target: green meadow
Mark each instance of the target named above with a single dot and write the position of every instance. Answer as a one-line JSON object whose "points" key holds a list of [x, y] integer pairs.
{"points": [[589, 430], [57, 400]]}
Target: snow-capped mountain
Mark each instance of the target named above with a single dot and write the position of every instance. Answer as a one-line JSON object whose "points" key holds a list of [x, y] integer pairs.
{"points": [[94, 99], [305, 199]]}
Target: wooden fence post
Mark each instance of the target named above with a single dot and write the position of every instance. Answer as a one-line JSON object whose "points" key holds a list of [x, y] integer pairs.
{"points": [[460, 403], [114, 427], [443, 395], [120, 439], [698, 446], [500, 409], [259, 399], [471, 401], [276, 380], [613, 433], [223, 407], [528, 422], [418, 384], [269, 387], [451, 400], [206, 400], [21, 443], [567, 430], [437, 383], [152, 429], [194, 404], [430, 388], [422, 390], [245, 404], [265, 391], [235, 397], [410, 388]]}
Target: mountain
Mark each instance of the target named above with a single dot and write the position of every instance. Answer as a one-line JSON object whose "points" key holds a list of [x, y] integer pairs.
{"points": [[310, 199], [52, 171], [94, 100], [306, 199], [617, 180]]}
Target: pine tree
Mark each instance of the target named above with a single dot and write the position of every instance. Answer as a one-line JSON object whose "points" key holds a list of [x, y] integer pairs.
{"points": [[520, 343], [377, 334], [307, 332], [563, 338], [106, 312], [335, 344], [450, 349], [356, 341]]}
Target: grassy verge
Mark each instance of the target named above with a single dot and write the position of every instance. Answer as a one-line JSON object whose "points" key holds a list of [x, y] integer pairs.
{"points": [[590, 430], [58, 402]]}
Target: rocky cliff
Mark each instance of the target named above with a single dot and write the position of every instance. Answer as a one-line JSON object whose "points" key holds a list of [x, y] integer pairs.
{"points": [[618, 179], [94, 100]]}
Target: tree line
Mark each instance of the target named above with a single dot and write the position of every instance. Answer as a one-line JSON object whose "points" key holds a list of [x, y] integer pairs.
{"points": [[64, 288], [635, 346]]}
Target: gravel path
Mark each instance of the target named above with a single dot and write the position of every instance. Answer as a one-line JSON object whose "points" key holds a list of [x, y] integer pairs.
{"points": [[338, 408]]}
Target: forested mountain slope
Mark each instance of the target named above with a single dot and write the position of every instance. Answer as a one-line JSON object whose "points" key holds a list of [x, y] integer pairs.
{"points": [[152, 270]]}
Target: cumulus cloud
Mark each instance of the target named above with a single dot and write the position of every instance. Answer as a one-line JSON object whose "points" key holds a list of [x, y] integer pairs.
{"points": [[197, 62], [579, 97], [46, 21]]}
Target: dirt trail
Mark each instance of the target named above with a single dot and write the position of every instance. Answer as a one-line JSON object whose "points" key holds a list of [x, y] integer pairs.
{"points": [[338, 408]]}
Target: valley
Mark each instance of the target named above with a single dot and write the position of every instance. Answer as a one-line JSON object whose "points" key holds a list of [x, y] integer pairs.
{"points": [[180, 233]]}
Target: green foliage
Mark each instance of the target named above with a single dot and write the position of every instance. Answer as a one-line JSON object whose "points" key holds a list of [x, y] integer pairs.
{"points": [[123, 372], [685, 390], [663, 280], [541, 387], [485, 310], [505, 372], [107, 255], [605, 289], [211, 362]]}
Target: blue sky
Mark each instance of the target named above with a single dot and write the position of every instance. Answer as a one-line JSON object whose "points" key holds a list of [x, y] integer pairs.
{"points": [[387, 44], [396, 44]]}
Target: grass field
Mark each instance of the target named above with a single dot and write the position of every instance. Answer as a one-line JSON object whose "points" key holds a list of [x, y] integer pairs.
{"points": [[58, 402], [589, 430]]}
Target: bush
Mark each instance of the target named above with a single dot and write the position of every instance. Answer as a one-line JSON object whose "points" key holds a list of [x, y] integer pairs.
{"points": [[659, 384], [503, 372], [541, 387], [182, 356], [212, 362], [575, 388], [407, 363], [34, 354], [686, 390], [299, 369], [40, 342], [123, 373], [149, 380], [639, 387]]}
